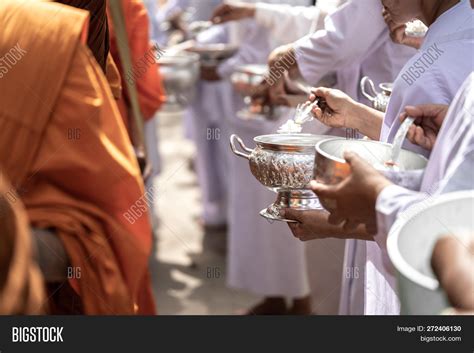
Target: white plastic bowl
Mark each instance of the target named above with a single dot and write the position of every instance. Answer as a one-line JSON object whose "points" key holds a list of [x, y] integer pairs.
{"points": [[411, 242]]}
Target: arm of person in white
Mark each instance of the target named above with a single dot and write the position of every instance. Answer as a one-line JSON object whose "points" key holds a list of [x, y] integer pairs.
{"points": [[214, 35], [348, 34], [173, 7], [285, 22]]}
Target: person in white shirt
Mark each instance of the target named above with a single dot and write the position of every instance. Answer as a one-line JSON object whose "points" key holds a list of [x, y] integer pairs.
{"points": [[451, 31], [262, 259]]}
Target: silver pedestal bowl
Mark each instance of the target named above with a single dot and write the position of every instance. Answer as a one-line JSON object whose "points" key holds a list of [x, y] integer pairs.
{"points": [[284, 164]]}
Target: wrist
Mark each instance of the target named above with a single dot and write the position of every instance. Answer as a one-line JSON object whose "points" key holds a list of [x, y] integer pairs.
{"points": [[377, 187], [250, 10], [355, 117]]}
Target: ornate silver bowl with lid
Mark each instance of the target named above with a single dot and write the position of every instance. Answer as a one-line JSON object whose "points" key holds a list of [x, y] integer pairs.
{"points": [[379, 99], [284, 163]]}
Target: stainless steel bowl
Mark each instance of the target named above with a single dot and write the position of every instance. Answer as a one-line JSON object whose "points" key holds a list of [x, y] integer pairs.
{"points": [[411, 242], [331, 167], [180, 72], [284, 164], [379, 99]]}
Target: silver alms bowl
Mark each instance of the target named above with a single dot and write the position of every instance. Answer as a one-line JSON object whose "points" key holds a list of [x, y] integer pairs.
{"points": [[180, 72], [284, 164]]}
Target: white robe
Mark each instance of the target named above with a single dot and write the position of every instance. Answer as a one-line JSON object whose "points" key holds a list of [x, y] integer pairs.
{"points": [[452, 33], [207, 130], [324, 258], [291, 22], [263, 257], [355, 42], [450, 168]]}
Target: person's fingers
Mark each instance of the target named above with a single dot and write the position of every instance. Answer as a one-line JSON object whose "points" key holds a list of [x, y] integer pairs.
{"points": [[261, 90], [294, 228], [299, 232], [414, 112], [317, 113], [398, 32], [426, 110], [402, 116], [419, 137], [356, 162], [220, 13], [371, 228], [323, 92], [411, 134], [335, 219], [350, 225], [292, 214], [281, 101], [324, 191]]}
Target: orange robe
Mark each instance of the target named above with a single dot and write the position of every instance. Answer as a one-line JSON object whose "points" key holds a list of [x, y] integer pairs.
{"points": [[21, 283], [145, 70], [63, 143]]}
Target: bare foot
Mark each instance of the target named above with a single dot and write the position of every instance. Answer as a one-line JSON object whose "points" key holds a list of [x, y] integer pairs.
{"points": [[269, 306], [301, 306]]}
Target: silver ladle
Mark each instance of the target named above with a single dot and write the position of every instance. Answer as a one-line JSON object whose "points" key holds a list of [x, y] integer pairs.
{"points": [[399, 139]]}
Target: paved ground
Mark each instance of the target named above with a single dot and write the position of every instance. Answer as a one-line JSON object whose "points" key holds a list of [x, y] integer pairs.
{"points": [[188, 267]]}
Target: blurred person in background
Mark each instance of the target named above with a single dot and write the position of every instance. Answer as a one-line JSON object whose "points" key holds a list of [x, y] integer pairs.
{"points": [[355, 42], [261, 259]]}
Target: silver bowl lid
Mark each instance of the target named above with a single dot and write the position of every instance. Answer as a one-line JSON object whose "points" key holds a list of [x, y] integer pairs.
{"points": [[290, 142], [387, 87]]}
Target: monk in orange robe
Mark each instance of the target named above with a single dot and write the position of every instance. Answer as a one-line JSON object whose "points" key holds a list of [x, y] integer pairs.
{"points": [[64, 145], [145, 70]]}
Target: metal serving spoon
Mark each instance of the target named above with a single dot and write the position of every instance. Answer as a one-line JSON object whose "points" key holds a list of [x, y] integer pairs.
{"points": [[304, 111], [399, 139]]}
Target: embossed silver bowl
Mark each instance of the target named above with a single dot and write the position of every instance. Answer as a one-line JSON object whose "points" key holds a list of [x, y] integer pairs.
{"points": [[284, 164]]}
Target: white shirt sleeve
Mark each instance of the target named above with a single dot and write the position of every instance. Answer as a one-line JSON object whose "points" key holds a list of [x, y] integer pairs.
{"points": [[348, 34], [391, 202], [285, 22]]}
